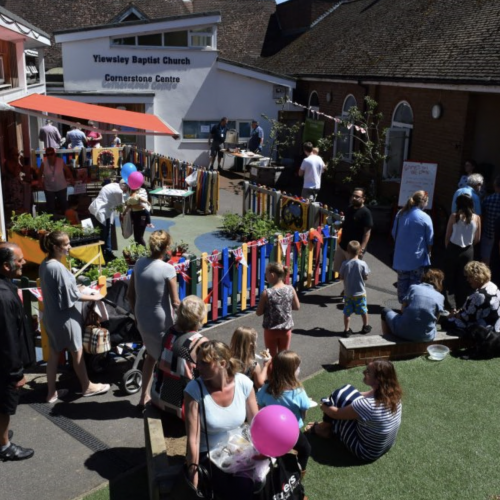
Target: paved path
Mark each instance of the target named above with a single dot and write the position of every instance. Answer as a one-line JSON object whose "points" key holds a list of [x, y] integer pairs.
{"points": [[82, 443]]}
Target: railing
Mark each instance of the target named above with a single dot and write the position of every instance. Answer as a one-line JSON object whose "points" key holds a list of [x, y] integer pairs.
{"points": [[287, 211], [230, 281]]}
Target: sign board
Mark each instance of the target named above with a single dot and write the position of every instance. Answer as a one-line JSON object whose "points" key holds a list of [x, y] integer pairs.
{"points": [[313, 131], [80, 188], [417, 176]]}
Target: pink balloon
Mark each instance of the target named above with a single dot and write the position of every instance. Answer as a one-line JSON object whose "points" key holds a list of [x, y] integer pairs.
{"points": [[274, 431], [135, 180]]}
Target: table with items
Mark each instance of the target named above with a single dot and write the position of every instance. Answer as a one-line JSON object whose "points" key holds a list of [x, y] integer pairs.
{"points": [[182, 194]]}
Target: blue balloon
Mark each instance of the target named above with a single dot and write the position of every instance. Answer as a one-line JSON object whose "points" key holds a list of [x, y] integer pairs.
{"points": [[127, 169]]}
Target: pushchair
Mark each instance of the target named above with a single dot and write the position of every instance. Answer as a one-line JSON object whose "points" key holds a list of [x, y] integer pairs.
{"points": [[126, 342]]}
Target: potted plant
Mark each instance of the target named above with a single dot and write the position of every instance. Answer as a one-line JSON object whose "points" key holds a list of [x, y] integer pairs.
{"points": [[133, 252], [22, 223]]}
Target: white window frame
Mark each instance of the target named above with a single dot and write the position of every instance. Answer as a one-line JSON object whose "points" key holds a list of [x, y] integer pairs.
{"points": [[231, 125], [398, 126], [207, 31], [311, 108], [345, 114]]}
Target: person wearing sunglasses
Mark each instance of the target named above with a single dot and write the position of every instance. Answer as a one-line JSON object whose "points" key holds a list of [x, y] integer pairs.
{"points": [[54, 179]]}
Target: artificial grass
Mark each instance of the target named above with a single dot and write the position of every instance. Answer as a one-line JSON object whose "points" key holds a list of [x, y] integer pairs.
{"points": [[447, 446]]}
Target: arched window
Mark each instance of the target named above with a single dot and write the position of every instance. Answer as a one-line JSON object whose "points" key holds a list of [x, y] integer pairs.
{"points": [[343, 143], [398, 140], [313, 104]]}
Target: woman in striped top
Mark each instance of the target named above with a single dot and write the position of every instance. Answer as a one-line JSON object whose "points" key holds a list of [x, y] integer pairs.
{"points": [[367, 423]]}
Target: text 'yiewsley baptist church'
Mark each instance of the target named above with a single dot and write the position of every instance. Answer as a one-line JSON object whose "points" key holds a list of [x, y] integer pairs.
{"points": [[141, 60]]}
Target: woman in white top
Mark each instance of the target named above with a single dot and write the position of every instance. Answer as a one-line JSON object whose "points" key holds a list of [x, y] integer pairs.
{"points": [[462, 233], [229, 400]]}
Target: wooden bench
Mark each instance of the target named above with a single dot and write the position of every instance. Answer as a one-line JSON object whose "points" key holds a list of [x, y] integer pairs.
{"points": [[356, 351]]}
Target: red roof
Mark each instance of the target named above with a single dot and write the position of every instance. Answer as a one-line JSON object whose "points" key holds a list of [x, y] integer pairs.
{"points": [[38, 104]]}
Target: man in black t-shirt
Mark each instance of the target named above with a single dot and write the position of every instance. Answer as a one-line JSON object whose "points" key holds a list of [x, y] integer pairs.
{"points": [[357, 225], [216, 141]]}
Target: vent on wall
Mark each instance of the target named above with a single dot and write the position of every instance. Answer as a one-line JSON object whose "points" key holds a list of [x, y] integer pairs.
{"points": [[279, 91]]}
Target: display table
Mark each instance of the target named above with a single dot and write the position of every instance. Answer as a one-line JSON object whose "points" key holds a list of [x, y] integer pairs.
{"points": [[33, 253], [183, 194]]}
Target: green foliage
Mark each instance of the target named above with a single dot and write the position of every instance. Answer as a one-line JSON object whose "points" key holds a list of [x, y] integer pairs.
{"points": [[44, 222], [118, 265], [135, 251], [248, 227], [370, 155], [281, 136], [180, 247]]}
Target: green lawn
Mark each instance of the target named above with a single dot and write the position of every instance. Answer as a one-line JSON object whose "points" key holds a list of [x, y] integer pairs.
{"points": [[448, 446]]}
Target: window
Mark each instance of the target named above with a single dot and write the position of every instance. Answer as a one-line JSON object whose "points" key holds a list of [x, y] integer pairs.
{"points": [[200, 129], [343, 143], [201, 37], [154, 40], [398, 140], [175, 39], [195, 38], [313, 104]]}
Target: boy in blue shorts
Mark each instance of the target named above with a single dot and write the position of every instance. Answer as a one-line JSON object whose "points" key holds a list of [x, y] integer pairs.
{"points": [[354, 272]]}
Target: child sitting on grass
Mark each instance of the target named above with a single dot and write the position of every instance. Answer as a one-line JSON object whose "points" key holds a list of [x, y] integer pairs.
{"points": [[285, 389], [354, 272]]}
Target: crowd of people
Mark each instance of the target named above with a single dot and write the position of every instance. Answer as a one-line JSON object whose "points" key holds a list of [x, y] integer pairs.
{"points": [[216, 387]]}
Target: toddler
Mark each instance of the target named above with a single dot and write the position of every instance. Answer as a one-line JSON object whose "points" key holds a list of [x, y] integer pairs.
{"points": [[276, 304], [354, 272]]}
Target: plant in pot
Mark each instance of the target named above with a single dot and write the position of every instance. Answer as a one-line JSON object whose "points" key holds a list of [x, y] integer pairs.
{"points": [[22, 224], [133, 252], [43, 224], [180, 248], [368, 157]]}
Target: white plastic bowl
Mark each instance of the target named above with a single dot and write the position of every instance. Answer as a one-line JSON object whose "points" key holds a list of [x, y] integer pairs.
{"points": [[437, 352]]}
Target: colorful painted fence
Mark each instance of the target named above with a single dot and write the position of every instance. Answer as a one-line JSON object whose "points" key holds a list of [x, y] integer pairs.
{"points": [[230, 281], [291, 212]]}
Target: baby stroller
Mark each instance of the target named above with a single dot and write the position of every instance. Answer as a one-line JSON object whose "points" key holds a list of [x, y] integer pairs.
{"points": [[126, 342]]}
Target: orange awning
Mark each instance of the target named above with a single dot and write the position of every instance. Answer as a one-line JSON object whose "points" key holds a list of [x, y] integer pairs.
{"points": [[37, 104]]}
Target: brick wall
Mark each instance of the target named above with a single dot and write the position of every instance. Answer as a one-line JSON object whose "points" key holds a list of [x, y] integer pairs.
{"points": [[445, 141]]}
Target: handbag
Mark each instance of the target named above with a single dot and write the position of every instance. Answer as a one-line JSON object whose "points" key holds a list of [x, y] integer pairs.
{"points": [[96, 340], [127, 229], [283, 480], [184, 488]]}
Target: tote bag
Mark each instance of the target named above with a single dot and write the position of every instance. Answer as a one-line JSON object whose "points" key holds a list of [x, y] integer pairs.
{"points": [[126, 222]]}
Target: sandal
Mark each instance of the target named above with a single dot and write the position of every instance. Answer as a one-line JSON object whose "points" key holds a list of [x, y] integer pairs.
{"points": [[103, 388], [61, 393], [311, 428]]}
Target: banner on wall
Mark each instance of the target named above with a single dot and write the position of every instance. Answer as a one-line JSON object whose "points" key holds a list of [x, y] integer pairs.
{"points": [[106, 157], [313, 130], [417, 176], [294, 213]]}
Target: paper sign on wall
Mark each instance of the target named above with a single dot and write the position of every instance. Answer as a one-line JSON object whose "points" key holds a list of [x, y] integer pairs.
{"points": [[417, 176]]}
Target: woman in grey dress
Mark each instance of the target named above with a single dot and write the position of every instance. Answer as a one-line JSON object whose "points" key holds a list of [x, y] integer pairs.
{"points": [[62, 315], [153, 295]]}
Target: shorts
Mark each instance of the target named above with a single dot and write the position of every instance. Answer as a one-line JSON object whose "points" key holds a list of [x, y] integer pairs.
{"points": [[216, 149], [9, 397], [356, 305]]}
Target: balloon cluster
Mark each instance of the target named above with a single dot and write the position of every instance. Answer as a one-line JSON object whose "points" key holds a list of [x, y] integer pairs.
{"points": [[274, 431], [130, 175]]}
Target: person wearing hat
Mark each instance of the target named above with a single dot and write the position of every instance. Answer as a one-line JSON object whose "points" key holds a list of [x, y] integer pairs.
{"points": [[256, 140], [54, 179], [109, 198], [50, 135]]}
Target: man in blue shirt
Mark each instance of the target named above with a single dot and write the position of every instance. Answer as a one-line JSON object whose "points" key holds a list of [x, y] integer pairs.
{"points": [[76, 138], [413, 235], [474, 184], [256, 138]]}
